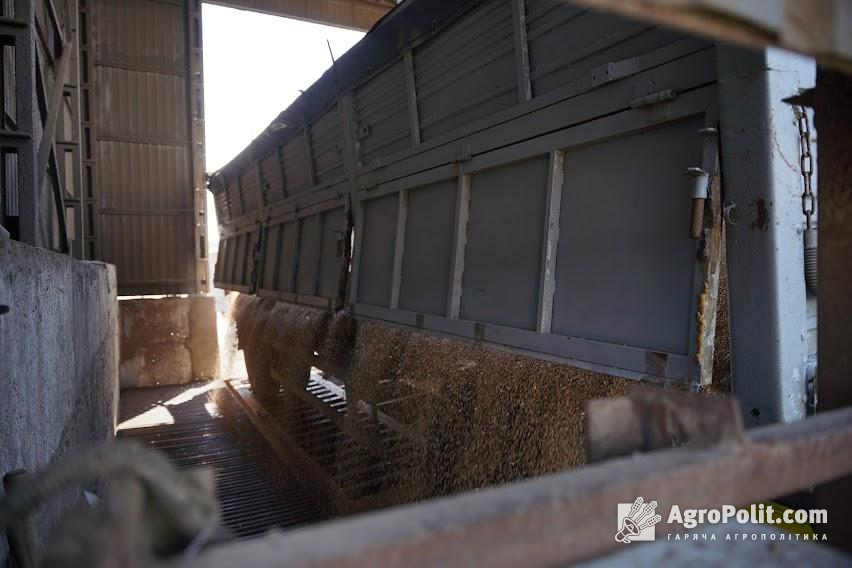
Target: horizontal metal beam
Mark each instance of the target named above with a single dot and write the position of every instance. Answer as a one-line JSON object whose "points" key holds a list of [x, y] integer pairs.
{"points": [[819, 29], [566, 517], [352, 14]]}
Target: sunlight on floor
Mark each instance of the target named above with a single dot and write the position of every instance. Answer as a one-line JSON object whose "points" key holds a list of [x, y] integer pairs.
{"points": [[157, 416], [160, 415]]}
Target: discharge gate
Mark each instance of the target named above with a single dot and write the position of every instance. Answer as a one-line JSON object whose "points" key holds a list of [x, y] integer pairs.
{"points": [[530, 174]]}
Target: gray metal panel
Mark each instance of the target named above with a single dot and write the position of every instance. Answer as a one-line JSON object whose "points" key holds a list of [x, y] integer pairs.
{"points": [[428, 247], [270, 168], [327, 146], [377, 250], [139, 127], [295, 156], [149, 34], [235, 198], [220, 198], [171, 234], [250, 190], [141, 105], [306, 277], [333, 231], [381, 113], [240, 259], [227, 274], [273, 236], [504, 239], [416, 235], [566, 41], [625, 262], [287, 262], [768, 309], [467, 71], [144, 177]]}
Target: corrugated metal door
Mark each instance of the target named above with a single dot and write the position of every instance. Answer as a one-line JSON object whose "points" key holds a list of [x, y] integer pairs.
{"points": [[148, 139]]}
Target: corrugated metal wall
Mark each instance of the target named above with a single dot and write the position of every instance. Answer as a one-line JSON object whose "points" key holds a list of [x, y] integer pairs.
{"points": [[514, 176], [147, 137]]}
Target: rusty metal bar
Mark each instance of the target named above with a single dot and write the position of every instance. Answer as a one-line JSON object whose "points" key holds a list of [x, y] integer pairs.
{"points": [[327, 410], [309, 473], [565, 517]]}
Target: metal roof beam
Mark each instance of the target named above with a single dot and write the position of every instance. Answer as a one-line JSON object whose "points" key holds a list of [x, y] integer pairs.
{"points": [[352, 14]]}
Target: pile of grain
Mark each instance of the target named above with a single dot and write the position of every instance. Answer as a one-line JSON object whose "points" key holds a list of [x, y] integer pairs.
{"points": [[483, 417]]}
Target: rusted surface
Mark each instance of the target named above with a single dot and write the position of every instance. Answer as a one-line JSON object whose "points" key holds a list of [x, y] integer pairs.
{"points": [[346, 472], [758, 214], [710, 257], [653, 419], [566, 517]]}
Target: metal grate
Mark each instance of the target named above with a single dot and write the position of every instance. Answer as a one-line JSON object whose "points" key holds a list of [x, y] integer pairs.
{"points": [[353, 456], [201, 426]]}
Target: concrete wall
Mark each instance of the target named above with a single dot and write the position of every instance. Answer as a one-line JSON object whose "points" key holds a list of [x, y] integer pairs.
{"points": [[168, 341], [58, 360]]}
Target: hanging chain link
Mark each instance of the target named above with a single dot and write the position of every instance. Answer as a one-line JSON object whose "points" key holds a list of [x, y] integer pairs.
{"points": [[806, 163]]}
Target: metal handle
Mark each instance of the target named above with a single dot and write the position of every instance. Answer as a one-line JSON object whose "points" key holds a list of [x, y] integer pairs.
{"points": [[699, 195]]}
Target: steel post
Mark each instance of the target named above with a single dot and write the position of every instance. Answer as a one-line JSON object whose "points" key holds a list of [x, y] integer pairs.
{"points": [[763, 186]]}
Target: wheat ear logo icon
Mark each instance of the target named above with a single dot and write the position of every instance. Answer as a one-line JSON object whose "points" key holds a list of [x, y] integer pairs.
{"points": [[637, 520]]}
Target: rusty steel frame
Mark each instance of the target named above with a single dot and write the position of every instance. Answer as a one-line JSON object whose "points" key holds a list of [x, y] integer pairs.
{"points": [[567, 517], [326, 488]]}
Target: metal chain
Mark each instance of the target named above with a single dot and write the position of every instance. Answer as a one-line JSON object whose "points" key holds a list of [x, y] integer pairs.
{"points": [[806, 163]]}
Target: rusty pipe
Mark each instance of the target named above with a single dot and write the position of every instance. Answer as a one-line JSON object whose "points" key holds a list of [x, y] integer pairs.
{"points": [[696, 223], [700, 181]]}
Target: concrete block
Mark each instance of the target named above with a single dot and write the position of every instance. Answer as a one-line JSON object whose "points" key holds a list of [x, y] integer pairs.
{"points": [[168, 341], [59, 353]]}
